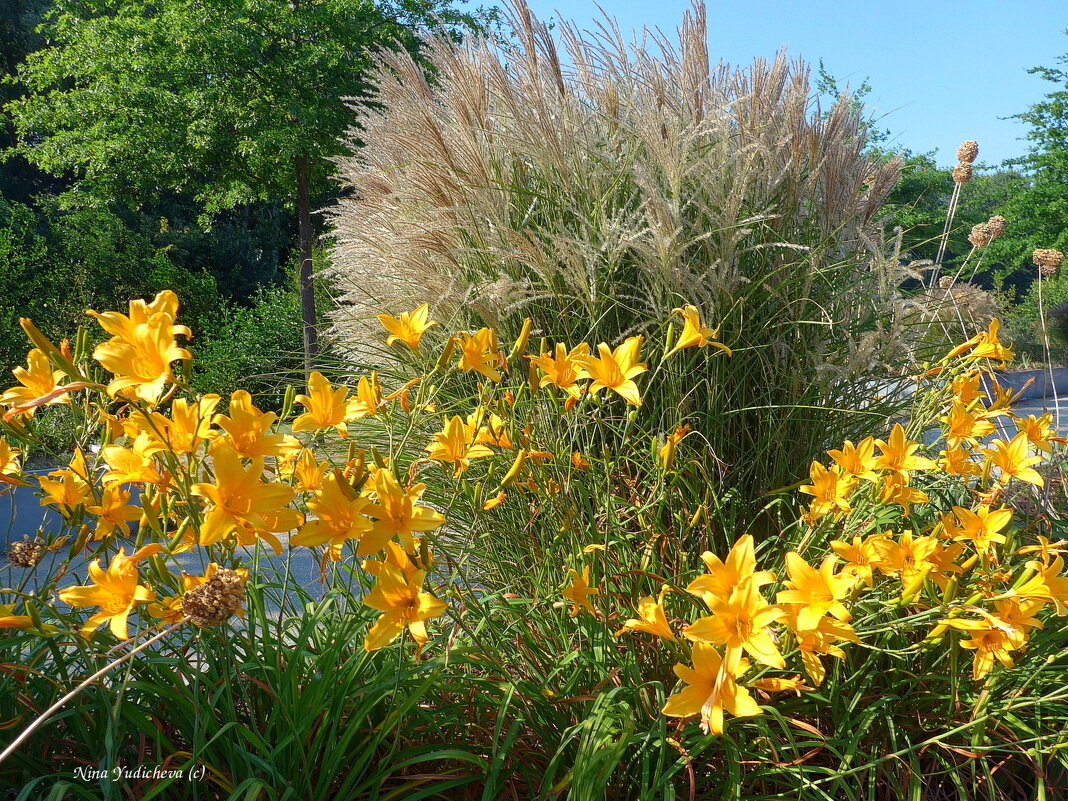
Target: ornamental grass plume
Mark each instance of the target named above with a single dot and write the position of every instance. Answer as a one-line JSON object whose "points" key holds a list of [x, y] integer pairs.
{"points": [[663, 181]]}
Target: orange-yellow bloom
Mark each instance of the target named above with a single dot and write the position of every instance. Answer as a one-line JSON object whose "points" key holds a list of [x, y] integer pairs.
{"points": [[142, 347], [397, 515], [579, 591], [115, 512], [399, 597], [651, 619], [898, 453], [829, 489], [455, 444], [479, 352], [38, 379], [712, 687], [816, 592], [694, 334], [409, 327], [115, 591], [740, 623], [187, 428], [966, 425], [326, 406], [958, 462], [562, 368], [246, 429], [1047, 585], [133, 465], [616, 369], [1012, 460], [858, 460], [724, 576], [239, 502], [991, 639], [980, 527], [339, 514]]}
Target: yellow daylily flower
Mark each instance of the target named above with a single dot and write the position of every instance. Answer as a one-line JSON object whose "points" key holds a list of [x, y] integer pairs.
{"points": [[958, 462], [1046, 549], [115, 512], [1047, 585], [816, 592], [616, 369], [895, 489], [397, 515], [409, 327], [966, 388], [777, 684], [829, 489], [980, 527], [142, 347], [898, 453], [187, 428], [479, 352], [367, 399], [579, 591], [562, 368], [860, 556], [1039, 431], [712, 688], [907, 557], [246, 429], [403, 603], [240, 503], [133, 465], [9, 464], [966, 425], [651, 618], [455, 444], [339, 514], [694, 334], [819, 640], [39, 381], [724, 576], [116, 591], [991, 639], [858, 460], [326, 406], [984, 345], [1012, 460], [740, 623], [64, 489]]}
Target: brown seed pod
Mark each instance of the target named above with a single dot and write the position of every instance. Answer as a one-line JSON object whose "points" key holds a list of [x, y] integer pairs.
{"points": [[26, 553], [214, 601], [980, 236], [997, 225], [962, 173], [967, 151], [1048, 260]]}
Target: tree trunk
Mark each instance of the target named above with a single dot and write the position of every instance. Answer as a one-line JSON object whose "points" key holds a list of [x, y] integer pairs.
{"points": [[307, 287]]}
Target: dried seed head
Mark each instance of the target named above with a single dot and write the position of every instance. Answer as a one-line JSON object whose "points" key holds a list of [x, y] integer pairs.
{"points": [[26, 553], [981, 235], [967, 151], [997, 226], [946, 281], [962, 173], [1048, 260], [215, 600]]}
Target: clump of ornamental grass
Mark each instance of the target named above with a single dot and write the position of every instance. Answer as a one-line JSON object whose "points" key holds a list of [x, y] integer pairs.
{"points": [[593, 186]]}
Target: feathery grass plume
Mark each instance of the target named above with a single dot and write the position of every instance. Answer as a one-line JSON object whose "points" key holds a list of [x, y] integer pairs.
{"points": [[968, 151], [597, 191]]}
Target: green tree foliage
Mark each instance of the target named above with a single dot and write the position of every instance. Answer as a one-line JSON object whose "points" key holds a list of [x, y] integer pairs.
{"points": [[1038, 212], [229, 102]]}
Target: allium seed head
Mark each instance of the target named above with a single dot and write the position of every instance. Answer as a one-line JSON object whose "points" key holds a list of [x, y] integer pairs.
{"points": [[1048, 260], [214, 601], [997, 226], [967, 151], [26, 553], [981, 235], [962, 173]]}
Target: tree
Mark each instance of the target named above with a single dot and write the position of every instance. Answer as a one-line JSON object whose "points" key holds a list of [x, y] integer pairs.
{"points": [[1038, 214], [232, 101]]}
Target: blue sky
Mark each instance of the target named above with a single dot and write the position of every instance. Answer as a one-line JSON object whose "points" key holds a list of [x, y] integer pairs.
{"points": [[941, 71]]}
